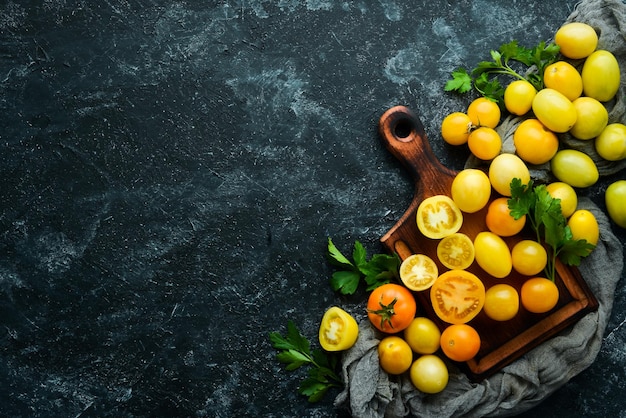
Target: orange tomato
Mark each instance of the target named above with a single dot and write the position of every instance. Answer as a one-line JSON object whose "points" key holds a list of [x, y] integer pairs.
{"points": [[501, 302], [457, 296], [460, 342], [455, 128], [438, 216], [394, 355], [485, 143], [391, 308], [499, 219], [539, 295], [484, 112]]}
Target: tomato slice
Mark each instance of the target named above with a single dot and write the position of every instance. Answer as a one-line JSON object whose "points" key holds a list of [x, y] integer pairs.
{"points": [[438, 216], [456, 251], [418, 272], [457, 296], [338, 330]]}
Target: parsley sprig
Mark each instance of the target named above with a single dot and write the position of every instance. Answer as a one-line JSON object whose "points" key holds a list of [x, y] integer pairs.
{"points": [[378, 270], [295, 352], [546, 219], [485, 78]]}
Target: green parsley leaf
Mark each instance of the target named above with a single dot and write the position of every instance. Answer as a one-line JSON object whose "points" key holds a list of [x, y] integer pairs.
{"points": [[546, 219], [294, 352], [378, 270], [460, 82]]}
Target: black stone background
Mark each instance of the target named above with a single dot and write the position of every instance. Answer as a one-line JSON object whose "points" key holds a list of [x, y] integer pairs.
{"points": [[171, 171]]}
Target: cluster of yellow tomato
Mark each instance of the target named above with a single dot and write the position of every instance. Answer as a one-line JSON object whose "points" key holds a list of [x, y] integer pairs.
{"points": [[572, 101]]}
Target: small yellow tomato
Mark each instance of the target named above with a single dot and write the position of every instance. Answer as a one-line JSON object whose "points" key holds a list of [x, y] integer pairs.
{"points": [[574, 168], [503, 169], [429, 374], [601, 76], [501, 302], [611, 143], [539, 295], [492, 254], [576, 39], [338, 330], [471, 190], [592, 118], [566, 194], [615, 199], [584, 225], [422, 335], [564, 78], [518, 97], [395, 355], [529, 257], [554, 110]]}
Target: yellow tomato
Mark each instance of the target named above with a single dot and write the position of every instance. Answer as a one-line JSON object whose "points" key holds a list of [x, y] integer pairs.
{"points": [[611, 143], [584, 225], [418, 272], [429, 374], [484, 112], [539, 295], [564, 78], [422, 335], [501, 302], [485, 143], [518, 97], [567, 195], [471, 190], [591, 118], [601, 76], [554, 110], [395, 355], [534, 143], [529, 257], [503, 169], [574, 168], [615, 199], [576, 40], [338, 330], [455, 128], [492, 254], [438, 216], [456, 251]]}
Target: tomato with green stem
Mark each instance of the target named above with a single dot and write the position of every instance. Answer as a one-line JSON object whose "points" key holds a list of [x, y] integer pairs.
{"points": [[391, 308]]}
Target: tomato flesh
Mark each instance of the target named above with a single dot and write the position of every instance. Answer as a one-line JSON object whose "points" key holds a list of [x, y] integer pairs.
{"points": [[338, 330], [457, 296], [438, 216]]}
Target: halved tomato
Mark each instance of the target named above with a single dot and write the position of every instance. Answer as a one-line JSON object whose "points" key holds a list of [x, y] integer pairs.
{"points": [[338, 330], [457, 296], [456, 251], [438, 216], [418, 272]]}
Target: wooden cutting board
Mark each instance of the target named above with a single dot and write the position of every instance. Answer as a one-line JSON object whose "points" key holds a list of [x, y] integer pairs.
{"points": [[501, 342]]}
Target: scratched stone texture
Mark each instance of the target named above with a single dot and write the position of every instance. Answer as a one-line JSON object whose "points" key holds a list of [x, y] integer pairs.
{"points": [[171, 171]]}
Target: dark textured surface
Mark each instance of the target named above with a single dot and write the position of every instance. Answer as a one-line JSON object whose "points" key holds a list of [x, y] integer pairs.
{"points": [[171, 171]]}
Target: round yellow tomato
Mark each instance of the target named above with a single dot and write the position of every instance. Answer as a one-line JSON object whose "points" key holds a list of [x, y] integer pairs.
{"points": [[564, 78], [500, 221], [529, 257], [615, 199], [577, 40], [503, 169], [574, 168], [611, 143], [584, 225], [592, 117], [518, 97], [501, 302], [455, 128], [395, 355], [534, 143], [429, 374], [438, 216], [422, 335], [418, 272], [539, 295], [457, 296], [484, 143], [460, 342], [492, 254], [456, 251], [338, 330], [484, 112], [554, 110], [471, 190], [566, 194], [601, 76]]}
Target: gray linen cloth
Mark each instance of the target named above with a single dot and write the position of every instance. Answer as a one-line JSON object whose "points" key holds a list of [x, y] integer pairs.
{"points": [[370, 392]]}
